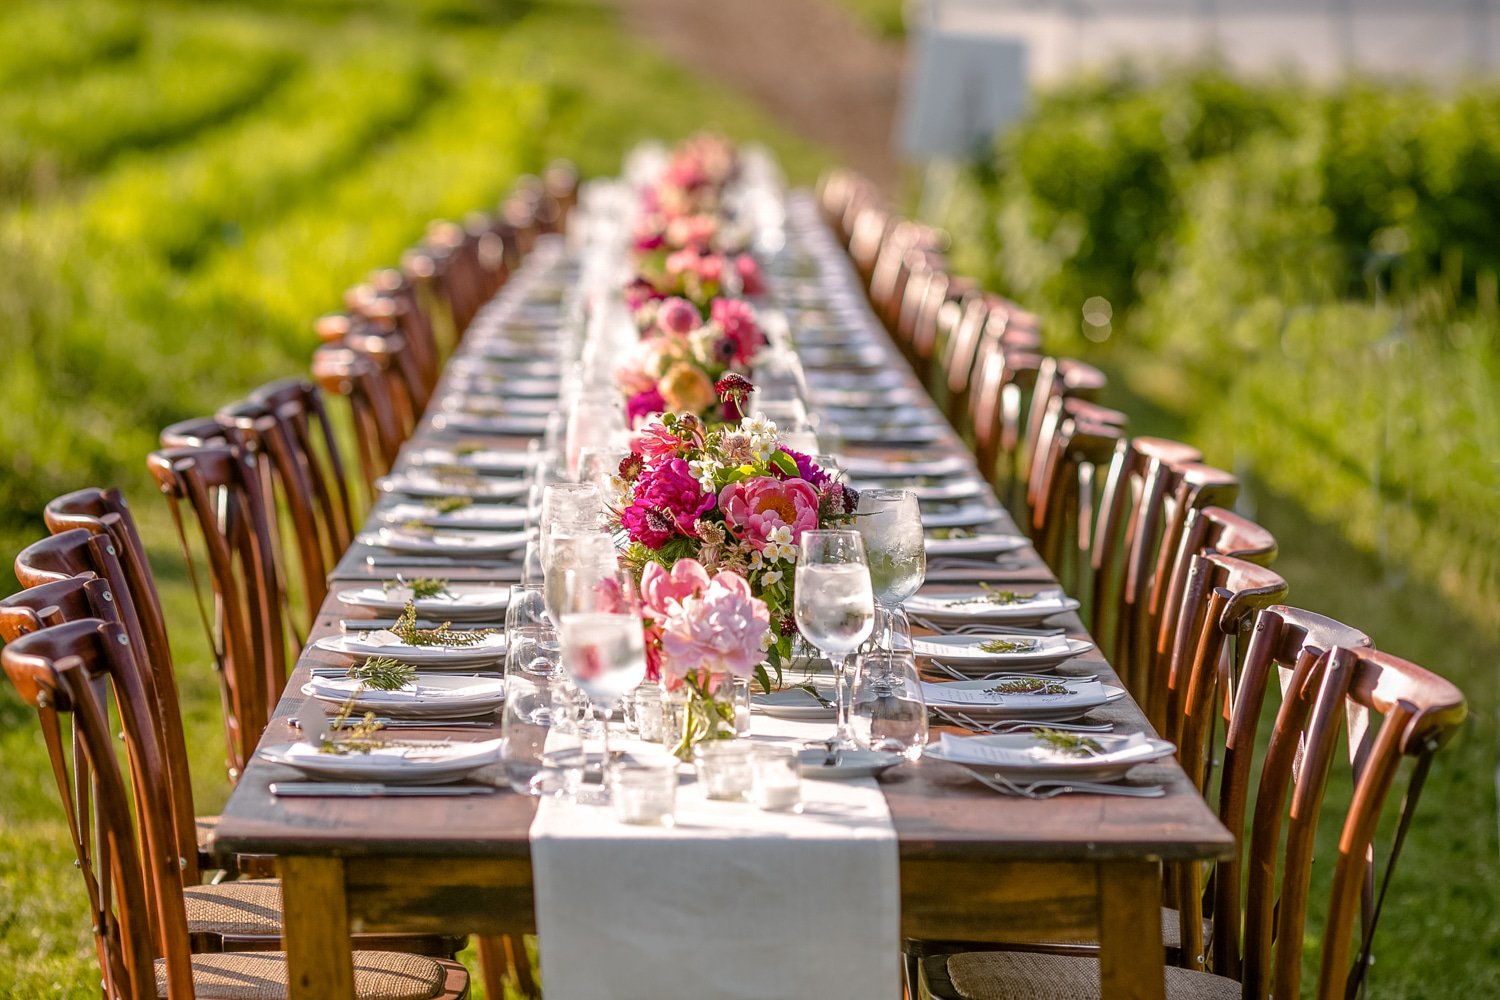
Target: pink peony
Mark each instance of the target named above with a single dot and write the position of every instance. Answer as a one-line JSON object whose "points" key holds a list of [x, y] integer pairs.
{"points": [[678, 315], [716, 632], [663, 590], [741, 332], [751, 281], [753, 508]]}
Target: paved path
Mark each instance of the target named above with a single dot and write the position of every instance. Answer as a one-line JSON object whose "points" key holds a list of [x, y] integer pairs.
{"points": [[810, 63]]}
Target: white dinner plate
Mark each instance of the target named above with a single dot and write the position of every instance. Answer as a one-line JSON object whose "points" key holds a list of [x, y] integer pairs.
{"points": [[481, 460], [893, 435], [970, 515], [967, 605], [911, 464], [984, 544], [489, 651], [790, 703], [461, 602], [421, 481], [474, 517], [963, 652], [446, 541], [1025, 757], [813, 763], [404, 762], [519, 425], [428, 696], [973, 699]]}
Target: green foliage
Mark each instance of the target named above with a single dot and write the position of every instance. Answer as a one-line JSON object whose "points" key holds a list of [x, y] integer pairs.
{"points": [[183, 188], [1301, 283]]}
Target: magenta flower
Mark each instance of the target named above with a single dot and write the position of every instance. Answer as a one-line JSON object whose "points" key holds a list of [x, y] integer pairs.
{"points": [[678, 315], [643, 404], [737, 320], [806, 468], [753, 508], [655, 443], [751, 281], [667, 500], [717, 632]]}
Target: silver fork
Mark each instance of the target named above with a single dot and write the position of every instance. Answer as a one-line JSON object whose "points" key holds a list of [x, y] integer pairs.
{"points": [[1002, 675], [1020, 725], [1041, 790], [981, 628]]}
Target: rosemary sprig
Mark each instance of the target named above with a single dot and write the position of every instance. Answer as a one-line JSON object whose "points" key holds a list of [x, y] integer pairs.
{"points": [[468, 448], [422, 587], [447, 505], [384, 673], [406, 630], [448, 472], [416, 527], [1069, 744], [945, 533], [361, 735], [1008, 645], [1027, 685], [992, 596]]}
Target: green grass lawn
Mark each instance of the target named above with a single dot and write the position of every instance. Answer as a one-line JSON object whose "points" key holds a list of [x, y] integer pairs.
{"points": [[183, 188]]}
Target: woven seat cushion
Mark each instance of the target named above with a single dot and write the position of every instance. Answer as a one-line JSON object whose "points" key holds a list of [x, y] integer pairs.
{"points": [[1014, 975], [247, 908], [262, 975]]}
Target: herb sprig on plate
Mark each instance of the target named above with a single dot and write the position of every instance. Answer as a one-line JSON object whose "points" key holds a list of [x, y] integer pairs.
{"points": [[1069, 744], [444, 635], [1008, 646], [384, 673], [422, 587], [1027, 685], [993, 596]]}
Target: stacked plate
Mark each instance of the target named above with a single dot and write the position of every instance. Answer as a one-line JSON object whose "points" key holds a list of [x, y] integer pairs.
{"points": [[428, 696], [982, 544], [989, 605], [460, 602], [424, 481], [966, 654], [1027, 757], [483, 460], [911, 464], [401, 762], [479, 516], [979, 700], [968, 515], [487, 651], [446, 541]]}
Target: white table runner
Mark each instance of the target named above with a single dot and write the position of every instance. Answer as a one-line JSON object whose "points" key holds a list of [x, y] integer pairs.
{"points": [[732, 903]]}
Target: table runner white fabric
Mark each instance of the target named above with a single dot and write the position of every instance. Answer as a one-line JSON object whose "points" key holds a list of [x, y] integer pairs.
{"points": [[731, 903]]}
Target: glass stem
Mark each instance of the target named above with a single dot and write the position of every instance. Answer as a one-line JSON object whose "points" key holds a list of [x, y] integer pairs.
{"points": [[888, 630], [841, 697]]}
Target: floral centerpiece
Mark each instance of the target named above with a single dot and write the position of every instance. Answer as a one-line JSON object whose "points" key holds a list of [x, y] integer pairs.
{"points": [[701, 632], [731, 498], [682, 354]]}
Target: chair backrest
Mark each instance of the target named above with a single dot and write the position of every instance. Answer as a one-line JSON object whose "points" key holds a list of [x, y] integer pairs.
{"points": [[936, 313], [372, 310], [961, 353], [377, 429], [1418, 712], [1055, 377], [388, 351], [62, 672], [218, 487], [561, 181], [921, 282], [1287, 642], [298, 405], [1078, 444], [868, 238], [55, 572], [1002, 390]]}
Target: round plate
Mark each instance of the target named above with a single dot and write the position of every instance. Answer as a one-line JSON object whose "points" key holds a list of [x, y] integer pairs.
{"points": [[790, 703], [462, 601], [951, 607], [429, 696], [1015, 763], [963, 652], [851, 764], [407, 762]]}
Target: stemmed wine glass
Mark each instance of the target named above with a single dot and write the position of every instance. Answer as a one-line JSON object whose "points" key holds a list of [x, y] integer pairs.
{"points": [[890, 522], [603, 647], [834, 607]]}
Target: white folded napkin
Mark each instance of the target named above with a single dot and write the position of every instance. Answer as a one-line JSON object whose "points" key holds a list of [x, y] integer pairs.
{"points": [[977, 750], [952, 694]]}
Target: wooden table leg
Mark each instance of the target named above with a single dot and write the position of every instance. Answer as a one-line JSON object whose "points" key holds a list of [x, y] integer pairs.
{"points": [[315, 929], [1130, 946]]}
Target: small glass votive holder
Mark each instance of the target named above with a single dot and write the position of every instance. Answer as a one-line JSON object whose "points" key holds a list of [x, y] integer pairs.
{"points": [[739, 697], [648, 712], [644, 793], [776, 782], [724, 769]]}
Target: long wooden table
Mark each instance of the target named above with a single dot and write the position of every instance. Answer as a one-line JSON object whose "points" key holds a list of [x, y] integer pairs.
{"points": [[974, 866]]}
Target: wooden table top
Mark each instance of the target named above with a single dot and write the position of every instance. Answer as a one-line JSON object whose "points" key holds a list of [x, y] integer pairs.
{"points": [[939, 813]]}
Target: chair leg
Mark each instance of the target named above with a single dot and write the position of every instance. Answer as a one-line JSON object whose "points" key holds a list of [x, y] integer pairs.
{"points": [[502, 958]]}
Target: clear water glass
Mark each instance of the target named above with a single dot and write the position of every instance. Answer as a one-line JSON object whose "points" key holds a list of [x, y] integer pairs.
{"points": [[526, 606], [834, 606], [890, 522], [525, 728], [888, 711]]}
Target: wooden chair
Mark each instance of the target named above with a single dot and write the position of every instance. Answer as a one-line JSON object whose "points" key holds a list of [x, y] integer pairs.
{"points": [[374, 312], [246, 631], [1419, 712], [388, 351], [377, 429], [868, 237], [561, 182], [1003, 384], [140, 921], [961, 354], [1078, 442], [926, 288]]}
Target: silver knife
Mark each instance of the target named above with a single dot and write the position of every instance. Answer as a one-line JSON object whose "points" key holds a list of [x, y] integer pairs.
{"points": [[366, 790]]}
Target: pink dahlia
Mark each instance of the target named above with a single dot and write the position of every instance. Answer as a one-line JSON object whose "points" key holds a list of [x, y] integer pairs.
{"points": [[666, 502], [753, 508], [751, 280], [741, 332], [678, 315], [643, 404], [654, 442]]}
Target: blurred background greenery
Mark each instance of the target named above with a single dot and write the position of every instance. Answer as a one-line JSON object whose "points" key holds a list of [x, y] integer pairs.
{"points": [[1300, 281]]}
